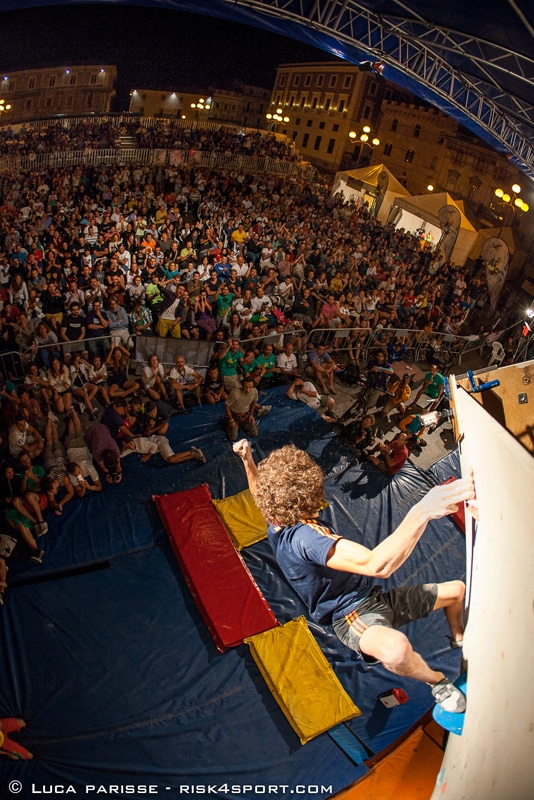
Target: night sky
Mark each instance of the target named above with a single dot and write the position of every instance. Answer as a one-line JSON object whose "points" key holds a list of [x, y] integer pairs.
{"points": [[152, 48]]}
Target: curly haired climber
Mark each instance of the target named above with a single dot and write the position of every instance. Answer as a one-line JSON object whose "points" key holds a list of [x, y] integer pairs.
{"points": [[333, 575]]}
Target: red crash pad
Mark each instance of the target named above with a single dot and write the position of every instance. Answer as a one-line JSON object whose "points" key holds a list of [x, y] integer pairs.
{"points": [[225, 592]]}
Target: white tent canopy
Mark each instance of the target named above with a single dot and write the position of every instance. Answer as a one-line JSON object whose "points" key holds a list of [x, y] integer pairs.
{"points": [[439, 214], [375, 185]]}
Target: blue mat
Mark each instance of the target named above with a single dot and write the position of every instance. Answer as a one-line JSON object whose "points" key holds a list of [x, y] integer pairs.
{"points": [[115, 672]]}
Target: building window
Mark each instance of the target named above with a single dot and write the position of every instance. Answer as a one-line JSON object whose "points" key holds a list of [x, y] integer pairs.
{"points": [[305, 139], [317, 144], [294, 135], [92, 79], [307, 80], [314, 102], [434, 163], [452, 180], [320, 80], [282, 81], [52, 82], [331, 145], [394, 124], [297, 121], [72, 80], [333, 81], [69, 100], [28, 104], [416, 132], [341, 105], [335, 128], [409, 156], [11, 87], [163, 96], [388, 148], [347, 81], [296, 80], [372, 89], [89, 99], [292, 101], [327, 103], [309, 123], [441, 138], [303, 101], [31, 83], [322, 125], [367, 112], [278, 101]]}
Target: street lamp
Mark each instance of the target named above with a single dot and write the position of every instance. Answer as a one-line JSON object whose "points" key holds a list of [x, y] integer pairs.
{"points": [[364, 139], [277, 118], [4, 106], [513, 202], [202, 104]]}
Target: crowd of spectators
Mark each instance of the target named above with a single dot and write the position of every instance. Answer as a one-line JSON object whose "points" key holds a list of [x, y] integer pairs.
{"points": [[55, 136], [59, 135], [91, 258]]}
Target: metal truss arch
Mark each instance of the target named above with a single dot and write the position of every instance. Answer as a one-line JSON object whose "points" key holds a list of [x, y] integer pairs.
{"points": [[492, 86]]}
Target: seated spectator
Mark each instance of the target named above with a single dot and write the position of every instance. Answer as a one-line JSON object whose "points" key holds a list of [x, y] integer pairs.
{"points": [[18, 515], [203, 315], [116, 419], [378, 372], [97, 322], [117, 365], [397, 349], [72, 330], [118, 324], [306, 392], [265, 362], [286, 361], [432, 389], [322, 366], [58, 380], [99, 379], [360, 434], [153, 377], [24, 438], [399, 390], [81, 374], [184, 380], [213, 390], [392, 456], [229, 356], [153, 421]]}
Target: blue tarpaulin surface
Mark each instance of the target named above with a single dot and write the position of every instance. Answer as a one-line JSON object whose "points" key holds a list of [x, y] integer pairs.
{"points": [[114, 670]]}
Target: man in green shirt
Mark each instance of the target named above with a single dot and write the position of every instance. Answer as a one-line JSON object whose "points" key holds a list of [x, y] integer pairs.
{"points": [[224, 305], [229, 357], [433, 387], [266, 364]]}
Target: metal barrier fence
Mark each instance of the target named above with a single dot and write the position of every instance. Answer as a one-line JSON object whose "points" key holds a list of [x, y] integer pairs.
{"points": [[157, 157], [356, 343]]}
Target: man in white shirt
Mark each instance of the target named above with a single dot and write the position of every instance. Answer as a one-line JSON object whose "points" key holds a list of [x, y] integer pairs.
{"points": [[286, 361], [184, 379], [306, 392]]}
